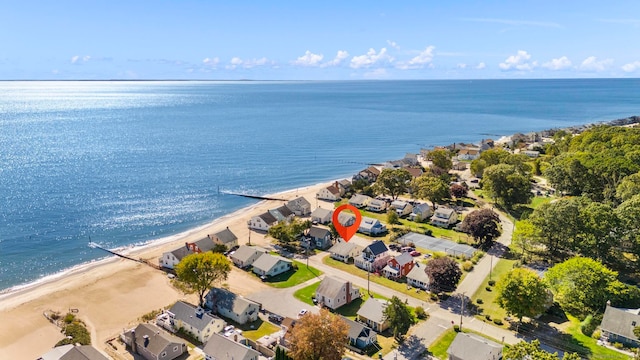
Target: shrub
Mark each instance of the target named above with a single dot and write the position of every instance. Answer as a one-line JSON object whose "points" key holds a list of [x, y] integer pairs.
{"points": [[596, 334], [437, 255], [69, 318], [497, 322], [428, 232], [420, 313], [488, 288], [587, 325], [150, 316], [492, 282], [617, 345], [75, 333], [467, 266], [456, 328], [479, 301], [433, 296], [488, 317]]}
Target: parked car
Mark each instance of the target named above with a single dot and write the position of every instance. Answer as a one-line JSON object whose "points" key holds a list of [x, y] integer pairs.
{"points": [[302, 312], [414, 253], [275, 318]]}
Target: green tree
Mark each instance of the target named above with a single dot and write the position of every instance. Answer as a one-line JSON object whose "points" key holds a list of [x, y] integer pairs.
{"points": [[506, 185], [444, 274], [286, 232], [569, 175], [441, 158], [558, 223], [527, 351], [392, 217], [629, 215], [199, 272], [636, 331], [430, 188], [399, 317], [319, 336], [483, 225], [521, 292], [392, 182], [599, 238], [628, 187], [526, 236]]}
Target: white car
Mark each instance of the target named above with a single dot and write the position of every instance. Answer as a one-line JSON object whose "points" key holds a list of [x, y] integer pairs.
{"points": [[228, 328], [302, 312]]}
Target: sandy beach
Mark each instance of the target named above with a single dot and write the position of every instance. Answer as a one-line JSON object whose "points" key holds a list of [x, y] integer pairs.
{"points": [[112, 294]]}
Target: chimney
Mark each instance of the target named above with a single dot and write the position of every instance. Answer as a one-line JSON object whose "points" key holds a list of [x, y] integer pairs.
{"points": [[146, 340], [348, 292], [134, 346]]}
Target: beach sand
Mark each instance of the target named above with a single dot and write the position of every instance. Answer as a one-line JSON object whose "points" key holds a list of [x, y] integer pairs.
{"points": [[112, 295]]}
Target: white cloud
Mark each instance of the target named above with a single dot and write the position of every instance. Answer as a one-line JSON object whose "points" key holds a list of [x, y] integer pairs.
{"points": [[461, 66], [423, 59], [631, 67], [393, 44], [86, 58], [592, 64], [481, 66], [309, 59], [519, 61], [77, 58], [340, 56], [370, 58], [558, 64], [74, 59], [213, 62], [237, 62]]}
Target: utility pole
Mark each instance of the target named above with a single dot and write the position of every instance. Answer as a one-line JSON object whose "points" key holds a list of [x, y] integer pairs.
{"points": [[490, 266], [249, 237], [462, 310]]}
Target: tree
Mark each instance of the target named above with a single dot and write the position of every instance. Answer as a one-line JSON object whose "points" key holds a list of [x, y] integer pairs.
{"points": [[483, 225], [286, 232], [392, 217], [431, 188], [441, 158], [636, 331], [393, 182], [457, 191], [558, 223], [506, 185], [526, 351], [629, 215], [399, 317], [197, 273], [526, 235], [582, 286], [319, 336], [444, 274], [521, 292], [628, 187], [600, 238]]}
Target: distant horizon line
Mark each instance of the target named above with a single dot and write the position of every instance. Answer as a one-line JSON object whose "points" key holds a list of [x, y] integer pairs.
{"points": [[313, 80]]}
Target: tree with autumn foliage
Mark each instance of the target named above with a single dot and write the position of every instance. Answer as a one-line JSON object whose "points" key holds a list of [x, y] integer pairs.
{"points": [[319, 336], [444, 274]]}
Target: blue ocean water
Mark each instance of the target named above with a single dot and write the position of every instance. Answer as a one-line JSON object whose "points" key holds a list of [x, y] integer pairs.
{"points": [[125, 163]]}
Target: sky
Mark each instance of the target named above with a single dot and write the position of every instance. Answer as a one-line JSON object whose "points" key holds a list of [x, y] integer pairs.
{"points": [[318, 40]]}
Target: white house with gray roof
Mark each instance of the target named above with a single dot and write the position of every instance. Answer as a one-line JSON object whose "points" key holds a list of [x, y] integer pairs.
{"points": [[372, 314], [359, 200], [371, 226], [344, 251], [195, 321], [221, 348], [282, 213], [300, 206], [444, 217], [377, 205], [171, 258], [271, 265], [232, 306], [417, 277], [402, 208], [246, 255], [473, 347], [262, 222], [618, 324], [71, 352], [421, 211], [330, 193], [225, 237], [334, 292], [359, 334], [153, 343], [321, 216]]}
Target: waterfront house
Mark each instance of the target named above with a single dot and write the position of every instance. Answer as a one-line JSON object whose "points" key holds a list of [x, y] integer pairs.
{"points": [[417, 277], [334, 292], [321, 216], [402, 208], [618, 324], [468, 154], [415, 172], [330, 193], [473, 347], [346, 219], [369, 174], [372, 314], [359, 200], [71, 352], [444, 217], [222, 348], [202, 245], [194, 320], [225, 237], [271, 265], [374, 257], [282, 213], [421, 211], [398, 267], [319, 238], [344, 185], [344, 251], [371, 226], [360, 335], [171, 258], [246, 255], [262, 222], [299, 206], [153, 343], [232, 306], [377, 205]]}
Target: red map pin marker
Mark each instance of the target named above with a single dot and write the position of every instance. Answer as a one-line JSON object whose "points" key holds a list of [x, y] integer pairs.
{"points": [[346, 232]]}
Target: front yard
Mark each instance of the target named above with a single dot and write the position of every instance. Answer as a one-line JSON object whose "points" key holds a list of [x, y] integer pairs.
{"points": [[293, 277], [489, 306]]}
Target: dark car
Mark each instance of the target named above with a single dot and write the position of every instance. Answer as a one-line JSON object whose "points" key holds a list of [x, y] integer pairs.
{"points": [[275, 318]]}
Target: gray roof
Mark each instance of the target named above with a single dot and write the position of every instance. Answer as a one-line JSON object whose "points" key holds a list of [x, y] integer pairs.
{"points": [[318, 232], [473, 347], [620, 321], [399, 204], [56, 353], [321, 213], [244, 252], [417, 273], [158, 339], [285, 211], [420, 207], [404, 258], [373, 309], [298, 202], [344, 218], [266, 261], [444, 211], [205, 244], [377, 202], [225, 299], [226, 236], [219, 347], [268, 218], [330, 287], [181, 252], [359, 198], [187, 313], [357, 329], [342, 248], [84, 352]]}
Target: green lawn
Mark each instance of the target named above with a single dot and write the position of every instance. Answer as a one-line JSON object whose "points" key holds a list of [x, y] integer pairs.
{"points": [[293, 278], [596, 352], [488, 306], [262, 328], [349, 310], [539, 200], [306, 293], [439, 347]]}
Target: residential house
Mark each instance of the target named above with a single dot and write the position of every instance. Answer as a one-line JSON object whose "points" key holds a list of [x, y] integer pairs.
{"points": [[359, 334], [195, 320], [56, 353], [374, 257], [271, 265], [246, 255], [618, 324], [459, 165], [334, 293], [444, 217], [262, 222], [171, 258], [221, 348], [71, 352], [344, 251], [371, 226], [299, 206], [468, 154], [421, 211], [319, 238], [372, 314], [411, 159], [346, 219], [202, 245], [226, 238], [414, 171], [330, 193], [473, 347], [531, 153], [359, 200], [283, 213], [418, 278], [344, 185], [402, 208], [287, 326], [377, 205], [369, 174], [321, 216], [398, 267], [231, 306], [153, 343]]}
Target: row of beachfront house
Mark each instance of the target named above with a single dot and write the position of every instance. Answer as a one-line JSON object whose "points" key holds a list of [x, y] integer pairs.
{"points": [[224, 237], [260, 261]]}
